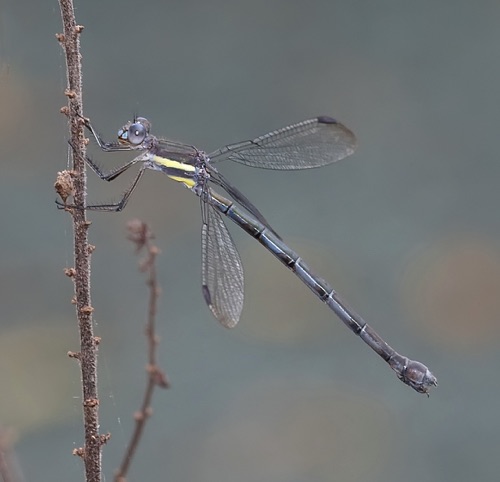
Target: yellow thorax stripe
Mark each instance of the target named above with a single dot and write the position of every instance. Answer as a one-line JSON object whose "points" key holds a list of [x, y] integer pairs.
{"points": [[186, 181], [177, 168], [164, 161]]}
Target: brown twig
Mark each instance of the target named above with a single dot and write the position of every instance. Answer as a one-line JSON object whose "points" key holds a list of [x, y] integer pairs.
{"points": [[74, 183], [9, 469], [141, 236]]}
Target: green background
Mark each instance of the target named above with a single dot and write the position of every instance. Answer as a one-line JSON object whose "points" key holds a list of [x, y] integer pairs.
{"points": [[407, 230]]}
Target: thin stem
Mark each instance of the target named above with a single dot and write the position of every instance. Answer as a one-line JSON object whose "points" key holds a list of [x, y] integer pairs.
{"points": [[141, 236]]}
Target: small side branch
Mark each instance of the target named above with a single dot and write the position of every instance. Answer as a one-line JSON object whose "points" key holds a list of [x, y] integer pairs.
{"points": [[141, 236]]}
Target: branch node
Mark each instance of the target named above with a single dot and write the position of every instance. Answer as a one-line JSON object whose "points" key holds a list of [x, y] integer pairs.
{"points": [[161, 380], [154, 250], [104, 438], [70, 272], [158, 376], [60, 37], [139, 416], [71, 94], [74, 354], [91, 403], [87, 310], [79, 28], [79, 452], [97, 340]]}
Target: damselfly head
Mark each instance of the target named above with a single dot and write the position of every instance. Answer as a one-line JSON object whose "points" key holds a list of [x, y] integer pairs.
{"points": [[134, 132]]}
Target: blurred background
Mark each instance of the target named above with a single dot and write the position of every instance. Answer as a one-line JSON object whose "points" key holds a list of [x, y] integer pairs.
{"points": [[407, 230]]}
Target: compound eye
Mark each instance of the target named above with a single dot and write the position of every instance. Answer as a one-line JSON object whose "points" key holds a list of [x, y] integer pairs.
{"points": [[137, 132]]}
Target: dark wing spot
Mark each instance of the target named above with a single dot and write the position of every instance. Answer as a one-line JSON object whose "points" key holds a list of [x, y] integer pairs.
{"points": [[324, 119], [206, 295]]}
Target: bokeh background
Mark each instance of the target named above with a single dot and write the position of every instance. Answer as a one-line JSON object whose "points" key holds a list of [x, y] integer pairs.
{"points": [[407, 230]]}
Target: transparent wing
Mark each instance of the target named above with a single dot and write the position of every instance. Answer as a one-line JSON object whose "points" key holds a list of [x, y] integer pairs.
{"points": [[222, 271], [217, 178], [311, 143]]}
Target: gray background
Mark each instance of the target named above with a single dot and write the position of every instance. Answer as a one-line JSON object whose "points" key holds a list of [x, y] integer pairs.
{"points": [[407, 230]]}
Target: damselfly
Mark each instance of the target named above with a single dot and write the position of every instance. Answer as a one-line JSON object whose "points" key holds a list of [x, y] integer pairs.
{"points": [[311, 143]]}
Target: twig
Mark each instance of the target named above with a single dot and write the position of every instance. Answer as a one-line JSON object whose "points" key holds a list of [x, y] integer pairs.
{"points": [[141, 236], [9, 469], [74, 183]]}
